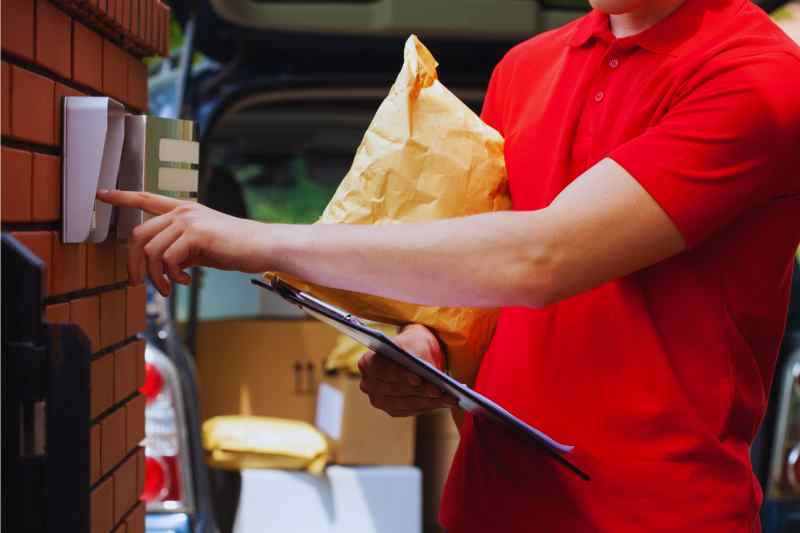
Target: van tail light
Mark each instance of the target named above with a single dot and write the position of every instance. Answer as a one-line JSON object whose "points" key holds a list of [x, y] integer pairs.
{"points": [[167, 474], [156, 479], [793, 467], [784, 476], [153, 382]]}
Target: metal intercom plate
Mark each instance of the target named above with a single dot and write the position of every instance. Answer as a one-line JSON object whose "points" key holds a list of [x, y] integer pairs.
{"points": [[160, 156], [105, 148]]}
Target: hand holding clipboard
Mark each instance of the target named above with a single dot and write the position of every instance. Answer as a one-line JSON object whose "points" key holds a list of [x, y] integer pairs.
{"points": [[468, 399]]}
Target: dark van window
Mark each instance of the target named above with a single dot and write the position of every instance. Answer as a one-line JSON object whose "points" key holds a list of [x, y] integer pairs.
{"points": [[283, 163]]}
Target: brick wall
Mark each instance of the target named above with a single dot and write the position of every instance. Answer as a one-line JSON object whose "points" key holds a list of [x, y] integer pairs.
{"points": [[53, 49]]}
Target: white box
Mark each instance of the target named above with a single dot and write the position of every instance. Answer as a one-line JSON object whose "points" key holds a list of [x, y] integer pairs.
{"points": [[372, 499]]}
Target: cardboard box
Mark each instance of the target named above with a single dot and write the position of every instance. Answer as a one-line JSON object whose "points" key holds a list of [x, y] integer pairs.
{"points": [[384, 499], [437, 441], [360, 433], [262, 367]]}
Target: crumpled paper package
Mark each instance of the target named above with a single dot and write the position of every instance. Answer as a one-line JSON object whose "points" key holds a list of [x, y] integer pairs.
{"points": [[346, 352], [425, 156], [239, 441]]}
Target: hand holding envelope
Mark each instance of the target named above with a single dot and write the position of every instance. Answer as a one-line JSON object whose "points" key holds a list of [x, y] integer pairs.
{"points": [[425, 156]]}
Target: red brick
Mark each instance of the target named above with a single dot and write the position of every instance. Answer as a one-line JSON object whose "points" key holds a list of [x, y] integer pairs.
{"points": [[162, 25], [111, 6], [145, 7], [134, 421], [127, 16], [137, 84], [119, 13], [166, 25], [140, 471], [121, 261], [53, 39], [133, 20], [58, 107], [87, 57], [159, 31], [16, 185], [95, 468], [100, 266], [124, 488], [41, 244], [112, 317], [46, 188], [135, 520], [115, 71], [101, 385], [17, 27], [32, 106], [102, 507], [118, 9], [57, 313], [85, 312], [148, 21], [112, 448], [138, 348], [159, 22], [125, 375], [5, 113], [135, 313], [69, 267], [142, 20], [122, 7]]}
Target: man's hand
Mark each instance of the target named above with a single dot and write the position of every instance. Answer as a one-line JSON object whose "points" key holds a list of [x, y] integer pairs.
{"points": [[394, 389], [603, 218], [184, 234]]}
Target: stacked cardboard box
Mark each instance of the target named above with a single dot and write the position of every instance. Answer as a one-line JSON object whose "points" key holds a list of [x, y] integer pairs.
{"points": [[275, 368], [360, 433], [261, 367]]}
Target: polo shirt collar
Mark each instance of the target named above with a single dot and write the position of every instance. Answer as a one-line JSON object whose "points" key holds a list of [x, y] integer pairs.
{"points": [[670, 36]]}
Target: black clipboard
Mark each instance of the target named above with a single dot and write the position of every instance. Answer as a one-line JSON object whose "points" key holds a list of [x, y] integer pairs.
{"points": [[375, 340]]}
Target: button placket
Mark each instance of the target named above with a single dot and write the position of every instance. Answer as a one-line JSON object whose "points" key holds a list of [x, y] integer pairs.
{"points": [[611, 59]]}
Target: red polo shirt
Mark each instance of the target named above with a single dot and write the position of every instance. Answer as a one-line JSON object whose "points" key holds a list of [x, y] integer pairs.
{"points": [[659, 378]]}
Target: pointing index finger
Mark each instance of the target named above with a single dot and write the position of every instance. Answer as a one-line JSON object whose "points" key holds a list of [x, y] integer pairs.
{"points": [[155, 204]]}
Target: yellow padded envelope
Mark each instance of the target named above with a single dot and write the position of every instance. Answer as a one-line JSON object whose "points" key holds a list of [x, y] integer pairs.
{"points": [[240, 441], [425, 156]]}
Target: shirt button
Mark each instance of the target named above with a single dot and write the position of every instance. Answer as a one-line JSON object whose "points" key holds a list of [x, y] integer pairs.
{"points": [[599, 96], [613, 63]]}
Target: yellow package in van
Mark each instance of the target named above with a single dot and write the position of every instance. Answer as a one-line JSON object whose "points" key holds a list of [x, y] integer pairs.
{"points": [[425, 156], [346, 352], [239, 441]]}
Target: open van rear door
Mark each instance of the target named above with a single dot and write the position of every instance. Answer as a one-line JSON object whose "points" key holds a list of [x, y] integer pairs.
{"points": [[224, 25]]}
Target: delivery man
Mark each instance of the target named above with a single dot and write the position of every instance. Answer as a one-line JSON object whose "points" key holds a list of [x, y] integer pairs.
{"points": [[653, 152]]}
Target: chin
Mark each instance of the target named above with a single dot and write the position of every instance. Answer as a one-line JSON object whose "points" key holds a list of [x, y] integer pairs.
{"points": [[616, 7]]}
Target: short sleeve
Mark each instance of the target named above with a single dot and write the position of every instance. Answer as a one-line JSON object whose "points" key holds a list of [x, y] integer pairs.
{"points": [[729, 143]]}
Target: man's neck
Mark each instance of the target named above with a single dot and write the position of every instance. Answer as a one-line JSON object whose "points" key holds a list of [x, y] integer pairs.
{"points": [[638, 20]]}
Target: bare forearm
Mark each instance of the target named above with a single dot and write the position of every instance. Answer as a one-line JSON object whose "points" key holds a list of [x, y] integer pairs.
{"points": [[602, 226], [497, 259]]}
